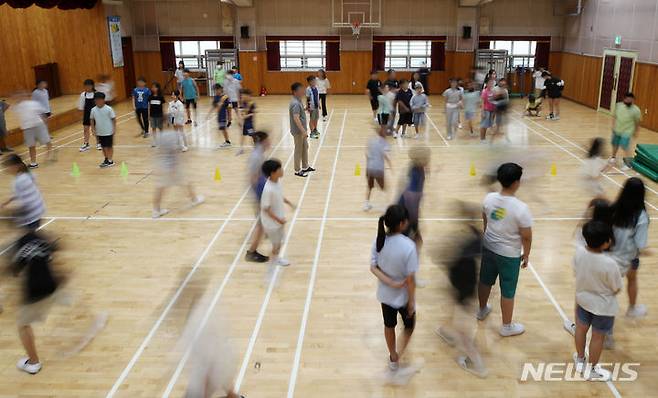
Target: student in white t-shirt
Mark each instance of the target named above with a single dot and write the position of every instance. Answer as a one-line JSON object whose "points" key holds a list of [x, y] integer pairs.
{"points": [[394, 262], [176, 117], [507, 243], [376, 159], [539, 82], [32, 121], [598, 281], [272, 212], [324, 85], [593, 166]]}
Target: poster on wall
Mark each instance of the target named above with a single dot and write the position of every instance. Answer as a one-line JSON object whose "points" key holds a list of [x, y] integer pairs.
{"points": [[114, 24]]}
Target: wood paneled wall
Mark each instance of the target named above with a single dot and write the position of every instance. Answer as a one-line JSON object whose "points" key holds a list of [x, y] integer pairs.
{"points": [[645, 82], [582, 78], [77, 40], [351, 79], [148, 65]]}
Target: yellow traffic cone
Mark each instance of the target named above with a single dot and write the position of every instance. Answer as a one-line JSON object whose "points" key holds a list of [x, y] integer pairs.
{"points": [[218, 175], [472, 171], [357, 170], [553, 169]]}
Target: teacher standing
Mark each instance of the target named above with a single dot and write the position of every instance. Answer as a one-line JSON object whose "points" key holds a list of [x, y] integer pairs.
{"points": [[298, 130]]}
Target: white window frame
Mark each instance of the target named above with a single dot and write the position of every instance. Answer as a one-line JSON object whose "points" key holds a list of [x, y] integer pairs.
{"points": [[519, 51], [286, 55], [426, 55], [199, 57]]}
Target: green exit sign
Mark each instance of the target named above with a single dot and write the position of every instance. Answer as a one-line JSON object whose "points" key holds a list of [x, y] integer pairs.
{"points": [[617, 40]]}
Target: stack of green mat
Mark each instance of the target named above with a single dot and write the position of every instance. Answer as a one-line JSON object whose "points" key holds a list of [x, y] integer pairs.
{"points": [[646, 160]]}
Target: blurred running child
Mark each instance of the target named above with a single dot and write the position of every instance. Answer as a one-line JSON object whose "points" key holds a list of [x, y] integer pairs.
{"points": [[385, 108], [471, 101], [106, 86], [232, 88], [3, 127], [190, 94], [40, 94], [412, 195], [272, 212], [313, 106], [488, 109], [419, 104], [372, 91], [169, 172], [598, 281], [453, 96], [32, 121], [501, 101], [533, 106], [403, 104], [394, 261], [625, 126], [85, 104], [257, 183], [156, 104], [27, 198], [104, 126], [176, 112], [376, 159], [593, 166], [141, 95], [248, 112], [222, 105]]}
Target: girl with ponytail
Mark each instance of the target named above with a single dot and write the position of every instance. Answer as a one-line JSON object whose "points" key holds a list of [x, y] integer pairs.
{"points": [[394, 262]]}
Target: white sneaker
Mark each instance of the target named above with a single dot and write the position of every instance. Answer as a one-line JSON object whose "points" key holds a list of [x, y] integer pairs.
{"points": [[549, 117], [159, 213], [445, 336], [375, 119], [556, 117], [482, 313], [393, 365], [281, 262], [25, 366], [324, 119], [84, 147], [460, 126], [580, 362], [225, 145], [570, 327], [449, 138], [367, 206], [99, 147], [609, 342], [198, 200], [184, 148], [483, 142], [597, 373], [637, 311], [465, 363], [512, 329]]}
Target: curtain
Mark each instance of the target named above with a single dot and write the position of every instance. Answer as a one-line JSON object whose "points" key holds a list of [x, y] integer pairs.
{"points": [[168, 56], [378, 55], [484, 45], [273, 55], [226, 44], [333, 55], [542, 53], [438, 55]]}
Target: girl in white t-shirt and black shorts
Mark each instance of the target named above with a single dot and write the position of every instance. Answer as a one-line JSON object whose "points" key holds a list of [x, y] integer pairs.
{"points": [[323, 89]]}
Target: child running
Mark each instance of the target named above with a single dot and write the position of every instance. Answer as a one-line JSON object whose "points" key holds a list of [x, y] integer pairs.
{"points": [[176, 111], [453, 96], [471, 101], [372, 91], [597, 283], [488, 110], [403, 104], [593, 166], [247, 111], [385, 108], [85, 104], [232, 88], [376, 159], [141, 95], [507, 243], [156, 104], [27, 199], [190, 94], [104, 126], [394, 262], [33, 123], [272, 212], [419, 106], [626, 125], [257, 183], [222, 105]]}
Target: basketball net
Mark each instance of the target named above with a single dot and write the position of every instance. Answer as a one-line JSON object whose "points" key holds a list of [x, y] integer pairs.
{"points": [[356, 29]]}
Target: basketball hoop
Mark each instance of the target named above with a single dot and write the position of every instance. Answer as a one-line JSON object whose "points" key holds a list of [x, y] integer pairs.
{"points": [[356, 29]]}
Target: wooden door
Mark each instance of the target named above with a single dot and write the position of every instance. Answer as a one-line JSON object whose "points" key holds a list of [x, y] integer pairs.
{"points": [[624, 77], [607, 82], [616, 77], [128, 65]]}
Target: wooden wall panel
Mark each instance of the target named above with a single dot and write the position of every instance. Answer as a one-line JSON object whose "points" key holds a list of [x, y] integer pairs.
{"points": [[582, 77], [77, 40], [644, 88], [555, 63], [148, 64]]}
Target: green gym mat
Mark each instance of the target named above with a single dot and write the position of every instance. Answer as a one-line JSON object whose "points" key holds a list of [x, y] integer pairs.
{"points": [[646, 171], [650, 150], [646, 162]]}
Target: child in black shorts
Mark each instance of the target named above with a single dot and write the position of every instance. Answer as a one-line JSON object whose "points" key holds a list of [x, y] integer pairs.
{"points": [[85, 104], [372, 91]]}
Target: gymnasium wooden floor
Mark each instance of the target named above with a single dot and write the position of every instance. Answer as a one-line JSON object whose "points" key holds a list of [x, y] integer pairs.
{"points": [[317, 330]]}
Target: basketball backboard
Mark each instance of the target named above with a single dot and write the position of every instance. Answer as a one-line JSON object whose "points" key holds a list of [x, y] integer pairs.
{"points": [[368, 13]]}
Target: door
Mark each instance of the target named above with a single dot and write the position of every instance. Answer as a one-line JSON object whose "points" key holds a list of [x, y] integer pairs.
{"points": [[616, 77], [128, 65]]}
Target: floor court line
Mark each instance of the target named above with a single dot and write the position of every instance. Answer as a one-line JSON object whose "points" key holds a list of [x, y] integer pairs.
{"points": [[581, 149], [181, 364], [314, 268], [520, 121], [564, 317], [270, 288], [6, 249], [124, 374], [437, 130]]}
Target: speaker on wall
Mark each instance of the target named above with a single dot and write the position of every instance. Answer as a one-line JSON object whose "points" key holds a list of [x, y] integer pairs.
{"points": [[466, 32], [244, 31]]}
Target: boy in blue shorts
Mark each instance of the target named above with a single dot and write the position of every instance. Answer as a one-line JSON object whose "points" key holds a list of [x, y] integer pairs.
{"points": [[626, 124], [247, 112], [222, 104], [506, 246], [598, 281]]}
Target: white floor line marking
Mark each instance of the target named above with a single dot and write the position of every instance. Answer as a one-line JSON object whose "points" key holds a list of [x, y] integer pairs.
{"points": [[215, 299], [575, 145], [573, 155], [270, 288], [6, 249], [564, 317], [437, 130], [314, 269], [165, 312]]}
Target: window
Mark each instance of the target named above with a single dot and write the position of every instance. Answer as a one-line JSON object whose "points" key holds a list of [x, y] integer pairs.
{"points": [[521, 52], [408, 54], [302, 54], [193, 53]]}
